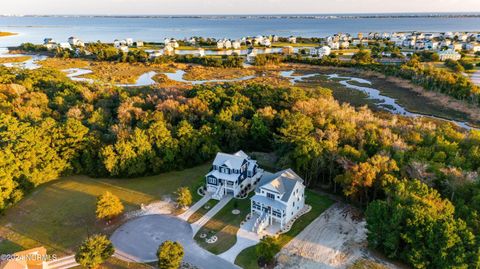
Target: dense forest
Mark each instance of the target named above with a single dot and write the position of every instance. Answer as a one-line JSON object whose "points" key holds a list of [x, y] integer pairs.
{"points": [[417, 179]]}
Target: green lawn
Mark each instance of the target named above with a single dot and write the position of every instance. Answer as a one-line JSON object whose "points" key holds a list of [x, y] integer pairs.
{"points": [[225, 226], [60, 214], [202, 210], [247, 259]]}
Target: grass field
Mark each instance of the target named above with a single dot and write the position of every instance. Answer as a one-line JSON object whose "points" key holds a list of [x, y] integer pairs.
{"points": [[248, 258], [18, 59], [60, 214], [224, 225]]}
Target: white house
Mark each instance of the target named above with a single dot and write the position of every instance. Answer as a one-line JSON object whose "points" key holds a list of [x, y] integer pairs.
{"points": [[224, 44], [456, 46], [65, 45], [251, 56], [49, 43], [449, 54], [321, 51], [292, 39], [129, 42], [475, 47], [231, 173], [236, 45], [334, 45], [200, 53], [278, 199], [75, 42], [171, 42], [344, 45]]}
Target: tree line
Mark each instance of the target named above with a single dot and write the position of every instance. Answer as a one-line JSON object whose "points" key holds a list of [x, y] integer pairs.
{"points": [[417, 179]]}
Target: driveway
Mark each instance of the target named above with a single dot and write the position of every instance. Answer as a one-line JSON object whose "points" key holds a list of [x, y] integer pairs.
{"points": [[139, 239]]}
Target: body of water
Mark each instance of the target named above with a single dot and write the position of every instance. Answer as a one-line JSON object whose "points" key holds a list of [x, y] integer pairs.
{"points": [[106, 29]]}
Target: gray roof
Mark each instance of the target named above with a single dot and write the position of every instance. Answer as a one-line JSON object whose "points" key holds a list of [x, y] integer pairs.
{"points": [[232, 161], [282, 182]]}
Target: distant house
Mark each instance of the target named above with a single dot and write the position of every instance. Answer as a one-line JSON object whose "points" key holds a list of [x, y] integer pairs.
{"points": [[129, 42], [138, 44], [34, 258], [65, 45], [200, 53], [230, 173], [278, 199], [169, 50], [456, 46], [449, 54], [192, 41], [50, 44], [236, 45], [123, 48], [75, 42], [288, 50], [251, 56], [171, 42], [266, 42], [292, 39], [224, 44], [344, 45], [334, 45]]}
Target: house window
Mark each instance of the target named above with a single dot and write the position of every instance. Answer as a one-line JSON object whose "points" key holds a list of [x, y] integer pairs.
{"points": [[212, 180], [271, 196], [293, 204]]}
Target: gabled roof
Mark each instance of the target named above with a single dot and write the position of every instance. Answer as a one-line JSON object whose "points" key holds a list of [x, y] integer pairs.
{"points": [[232, 161], [282, 182]]}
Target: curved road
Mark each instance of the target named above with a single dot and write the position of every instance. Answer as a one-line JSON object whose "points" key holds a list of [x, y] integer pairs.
{"points": [[140, 238]]}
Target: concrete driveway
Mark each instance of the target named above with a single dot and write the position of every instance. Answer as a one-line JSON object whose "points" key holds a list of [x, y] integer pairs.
{"points": [[139, 239]]}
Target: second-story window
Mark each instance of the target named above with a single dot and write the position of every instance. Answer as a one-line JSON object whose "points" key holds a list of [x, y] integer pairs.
{"points": [[271, 196]]}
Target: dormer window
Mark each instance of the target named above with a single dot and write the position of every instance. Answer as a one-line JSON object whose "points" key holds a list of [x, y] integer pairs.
{"points": [[270, 196]]}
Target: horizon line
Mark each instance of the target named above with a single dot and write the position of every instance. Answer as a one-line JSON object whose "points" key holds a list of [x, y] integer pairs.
{"points": [[407, 13]]}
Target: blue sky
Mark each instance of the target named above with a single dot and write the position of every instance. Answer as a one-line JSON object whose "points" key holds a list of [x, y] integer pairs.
{"points": [[170, 7]]}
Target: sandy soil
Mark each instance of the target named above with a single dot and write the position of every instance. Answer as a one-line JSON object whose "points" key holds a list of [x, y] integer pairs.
{"points": [[157, 207], [336, 239]]}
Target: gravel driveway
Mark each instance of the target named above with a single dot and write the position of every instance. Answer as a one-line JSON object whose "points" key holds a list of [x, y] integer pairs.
{"points": [[140, 238]]}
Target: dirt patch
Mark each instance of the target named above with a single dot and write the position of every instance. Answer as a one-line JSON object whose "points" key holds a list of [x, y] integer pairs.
{"points": [[158, 207], [336, 239]]}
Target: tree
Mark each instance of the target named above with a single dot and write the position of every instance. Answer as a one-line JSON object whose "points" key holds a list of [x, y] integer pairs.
{"points": [[94, 251], [170, 255], [108, 206], [184, 197], [267, 249]]}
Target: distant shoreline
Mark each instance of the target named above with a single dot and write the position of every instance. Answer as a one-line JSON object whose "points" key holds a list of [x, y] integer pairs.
{"points": [[279, 16], [3, 34]]}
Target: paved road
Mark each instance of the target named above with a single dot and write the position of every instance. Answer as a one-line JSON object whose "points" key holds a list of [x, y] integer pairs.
{"points": [[140, 238]]}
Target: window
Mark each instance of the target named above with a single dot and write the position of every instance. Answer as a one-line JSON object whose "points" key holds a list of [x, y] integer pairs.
{"points": [[271, 196], [212, 180], [293, 204]]}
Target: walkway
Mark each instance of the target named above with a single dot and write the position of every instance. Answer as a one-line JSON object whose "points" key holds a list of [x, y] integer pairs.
{"points": [[205, 218], [475, 78], [245, 238], [189, 212], [63, 263]]}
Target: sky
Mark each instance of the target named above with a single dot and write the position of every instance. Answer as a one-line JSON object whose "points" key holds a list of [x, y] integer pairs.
{"points": [[180, 7]]}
